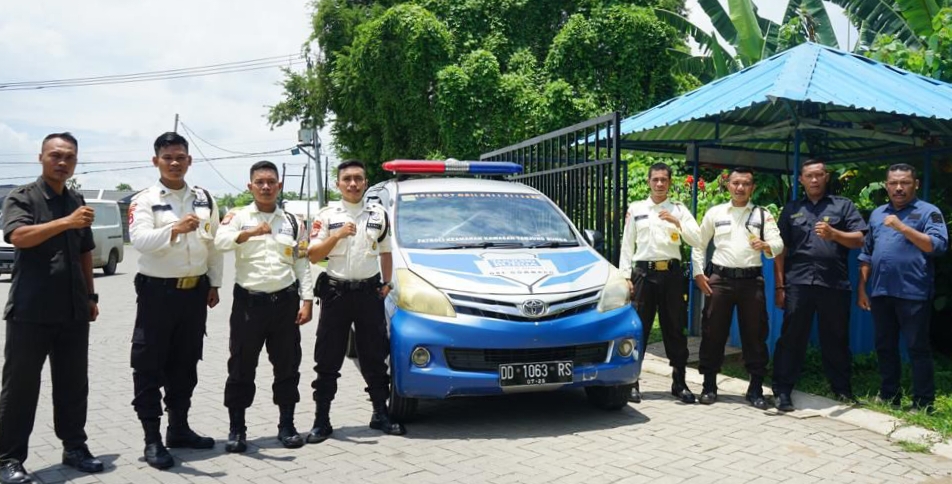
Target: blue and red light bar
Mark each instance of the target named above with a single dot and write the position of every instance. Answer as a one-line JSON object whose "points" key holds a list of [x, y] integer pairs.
{"points": [[452, 166]]}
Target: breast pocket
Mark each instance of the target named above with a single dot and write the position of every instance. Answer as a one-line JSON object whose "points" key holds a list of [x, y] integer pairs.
{"points": [[285, 244], [164, 217]]}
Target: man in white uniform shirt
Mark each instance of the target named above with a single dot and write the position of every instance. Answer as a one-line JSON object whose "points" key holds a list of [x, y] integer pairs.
{"points": [[651, 259], [172, 225], [741, 232], [272, 277], [355, 238]]}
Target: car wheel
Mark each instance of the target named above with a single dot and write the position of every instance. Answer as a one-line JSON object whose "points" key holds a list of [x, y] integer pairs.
{"points": [[110, 267], [402, 409], [608, 397], [351, 344]]}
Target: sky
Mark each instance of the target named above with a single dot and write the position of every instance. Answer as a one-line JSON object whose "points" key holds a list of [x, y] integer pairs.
{"points": [[117, 124], [58, 39]]}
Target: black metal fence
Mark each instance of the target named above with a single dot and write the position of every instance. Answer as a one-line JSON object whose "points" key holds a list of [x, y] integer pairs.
{"points": [[580, 169]]}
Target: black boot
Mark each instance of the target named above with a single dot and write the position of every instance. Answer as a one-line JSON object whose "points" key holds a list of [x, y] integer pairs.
{"points": [[287, 434], [679, 387], [236, 431], [381, 420], [709, 390], [156, 455], [634, 395], [755, 392], [322, 424], [180, 435]]}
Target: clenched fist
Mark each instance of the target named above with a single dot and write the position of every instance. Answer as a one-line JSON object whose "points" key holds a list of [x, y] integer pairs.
{"points": [[81, 218]]}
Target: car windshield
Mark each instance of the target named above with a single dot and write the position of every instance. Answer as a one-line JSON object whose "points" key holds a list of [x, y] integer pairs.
{"points": [[458, 220]]}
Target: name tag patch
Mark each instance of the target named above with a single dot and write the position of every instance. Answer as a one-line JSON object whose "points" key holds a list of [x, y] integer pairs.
{"points": [[639, 217], [722, 223]]}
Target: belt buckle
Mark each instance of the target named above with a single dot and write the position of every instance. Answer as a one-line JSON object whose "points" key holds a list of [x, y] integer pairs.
{"points": [[186, 282], [661, 265]]}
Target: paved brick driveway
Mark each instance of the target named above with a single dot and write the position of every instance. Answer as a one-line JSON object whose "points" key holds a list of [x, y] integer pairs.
{"points": [[554, 437]]}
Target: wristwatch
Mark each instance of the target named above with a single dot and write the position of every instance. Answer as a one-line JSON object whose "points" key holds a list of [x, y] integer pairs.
{"points": [[94, 297], [388, 285]]}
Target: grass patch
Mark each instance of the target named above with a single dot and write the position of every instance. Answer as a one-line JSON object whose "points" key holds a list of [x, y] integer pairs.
{"points": [[655, 336], [914, 447], [866, 387]]}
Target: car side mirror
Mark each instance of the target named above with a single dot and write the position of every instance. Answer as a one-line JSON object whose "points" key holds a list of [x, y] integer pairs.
{"points": [[594, 239]]}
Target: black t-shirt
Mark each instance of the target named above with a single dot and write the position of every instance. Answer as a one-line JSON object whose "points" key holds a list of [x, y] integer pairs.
{"points": [[48, 282], [808, 259]]}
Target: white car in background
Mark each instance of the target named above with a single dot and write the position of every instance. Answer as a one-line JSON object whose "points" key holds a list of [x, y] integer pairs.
{"points": [[107, 235]]}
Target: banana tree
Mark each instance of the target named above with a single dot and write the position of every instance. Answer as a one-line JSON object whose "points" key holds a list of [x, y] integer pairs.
{"points": [[747, 37], [909, 21]]}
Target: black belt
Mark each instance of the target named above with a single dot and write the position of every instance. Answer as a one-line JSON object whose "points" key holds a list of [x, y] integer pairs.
{"points": [[738, 273], [258, 298], [659, 265], [344, 285], [183, 283]]}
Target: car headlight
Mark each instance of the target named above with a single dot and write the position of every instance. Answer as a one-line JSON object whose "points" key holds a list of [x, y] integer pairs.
{"points": [[417, 295], [615, 293]]}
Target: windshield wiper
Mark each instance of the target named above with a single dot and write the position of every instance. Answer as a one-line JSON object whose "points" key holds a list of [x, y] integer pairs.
{"points": [[552, 244], [480, 245]]}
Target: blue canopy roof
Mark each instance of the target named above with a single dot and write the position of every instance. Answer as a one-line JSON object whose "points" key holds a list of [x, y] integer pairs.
{"points": [[841, 103]]}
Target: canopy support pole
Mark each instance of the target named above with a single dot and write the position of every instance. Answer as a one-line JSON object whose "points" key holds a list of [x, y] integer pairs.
{"points": [[926, 174], [692, 291], [795, 192]]}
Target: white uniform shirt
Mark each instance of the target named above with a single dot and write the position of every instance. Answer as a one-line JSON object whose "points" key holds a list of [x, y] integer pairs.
{"points": [[151, 215], [356, 257], [649, 238], [267, 263], [732, 229]]}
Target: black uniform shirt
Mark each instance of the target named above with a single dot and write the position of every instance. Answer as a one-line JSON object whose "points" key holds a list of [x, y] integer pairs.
{"points": [[48, 282], [810, 260]]}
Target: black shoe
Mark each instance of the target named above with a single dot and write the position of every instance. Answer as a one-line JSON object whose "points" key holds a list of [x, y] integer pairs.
{"points": [[82, 460], [784, 402], [847, 398], [186, 438], [236, 442], [320, 432], [12, 472], [708, 397], [927, 408], [757, 400], [894, 401], [634, 396], [380, 420], [290, 438], [156, 455], [683, 394]]}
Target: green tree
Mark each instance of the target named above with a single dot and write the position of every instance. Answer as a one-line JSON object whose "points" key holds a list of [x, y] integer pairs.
{"points": [[751, 36], [73, 184], [447, 77], [908, 21], [124, 187]]}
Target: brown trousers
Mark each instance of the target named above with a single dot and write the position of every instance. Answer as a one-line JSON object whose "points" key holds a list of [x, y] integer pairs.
{"points": [[747, 295]]}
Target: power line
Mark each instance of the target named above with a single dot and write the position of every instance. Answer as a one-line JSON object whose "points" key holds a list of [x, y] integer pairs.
{"points": [[215, 69], [209, 143], [210, 163], [125, 162]]}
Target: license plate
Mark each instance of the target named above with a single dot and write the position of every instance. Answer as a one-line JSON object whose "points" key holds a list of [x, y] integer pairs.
{"points": [[530, 374]]}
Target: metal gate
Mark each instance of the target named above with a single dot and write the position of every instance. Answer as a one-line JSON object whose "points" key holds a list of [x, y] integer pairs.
{"points": [[579, 168]]}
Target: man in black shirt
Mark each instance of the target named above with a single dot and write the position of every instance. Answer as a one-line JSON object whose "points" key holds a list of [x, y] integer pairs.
{"points": [[811, 278], [48, 312]]}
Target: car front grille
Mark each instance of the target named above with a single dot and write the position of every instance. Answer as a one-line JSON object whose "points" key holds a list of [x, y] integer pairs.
{"points": [[466, 359], [507, 308]]}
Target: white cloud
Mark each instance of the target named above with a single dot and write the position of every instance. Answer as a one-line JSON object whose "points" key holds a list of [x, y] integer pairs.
{"points": [[57, 39]]}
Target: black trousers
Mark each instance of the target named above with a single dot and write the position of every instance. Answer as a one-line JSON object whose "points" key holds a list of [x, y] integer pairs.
{"points": [[662, 293], [166, 345], [27, 346], [894, 316], [832, 308], [364, 309], [747, 295], [255, 323]]}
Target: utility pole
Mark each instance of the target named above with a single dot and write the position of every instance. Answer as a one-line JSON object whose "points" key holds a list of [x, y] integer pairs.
{"points": [[317, 165], [175, 129]]}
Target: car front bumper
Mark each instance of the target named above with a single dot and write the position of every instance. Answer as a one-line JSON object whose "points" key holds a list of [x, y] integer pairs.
{"points": [[485, 343]]}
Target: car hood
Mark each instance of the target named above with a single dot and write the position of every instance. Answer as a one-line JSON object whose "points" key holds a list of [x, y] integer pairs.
{"points": [[488, 271]]}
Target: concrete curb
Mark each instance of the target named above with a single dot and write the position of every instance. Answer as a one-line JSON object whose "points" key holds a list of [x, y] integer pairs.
{"points": [[809, 406]]}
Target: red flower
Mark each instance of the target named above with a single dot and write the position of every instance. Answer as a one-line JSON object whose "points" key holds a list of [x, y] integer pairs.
{"points": [[689, 180], [724, 175], [700, 184]]}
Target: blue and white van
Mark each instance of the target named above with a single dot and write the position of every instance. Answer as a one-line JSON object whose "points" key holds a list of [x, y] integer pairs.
{"points": [[497, 292]]}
